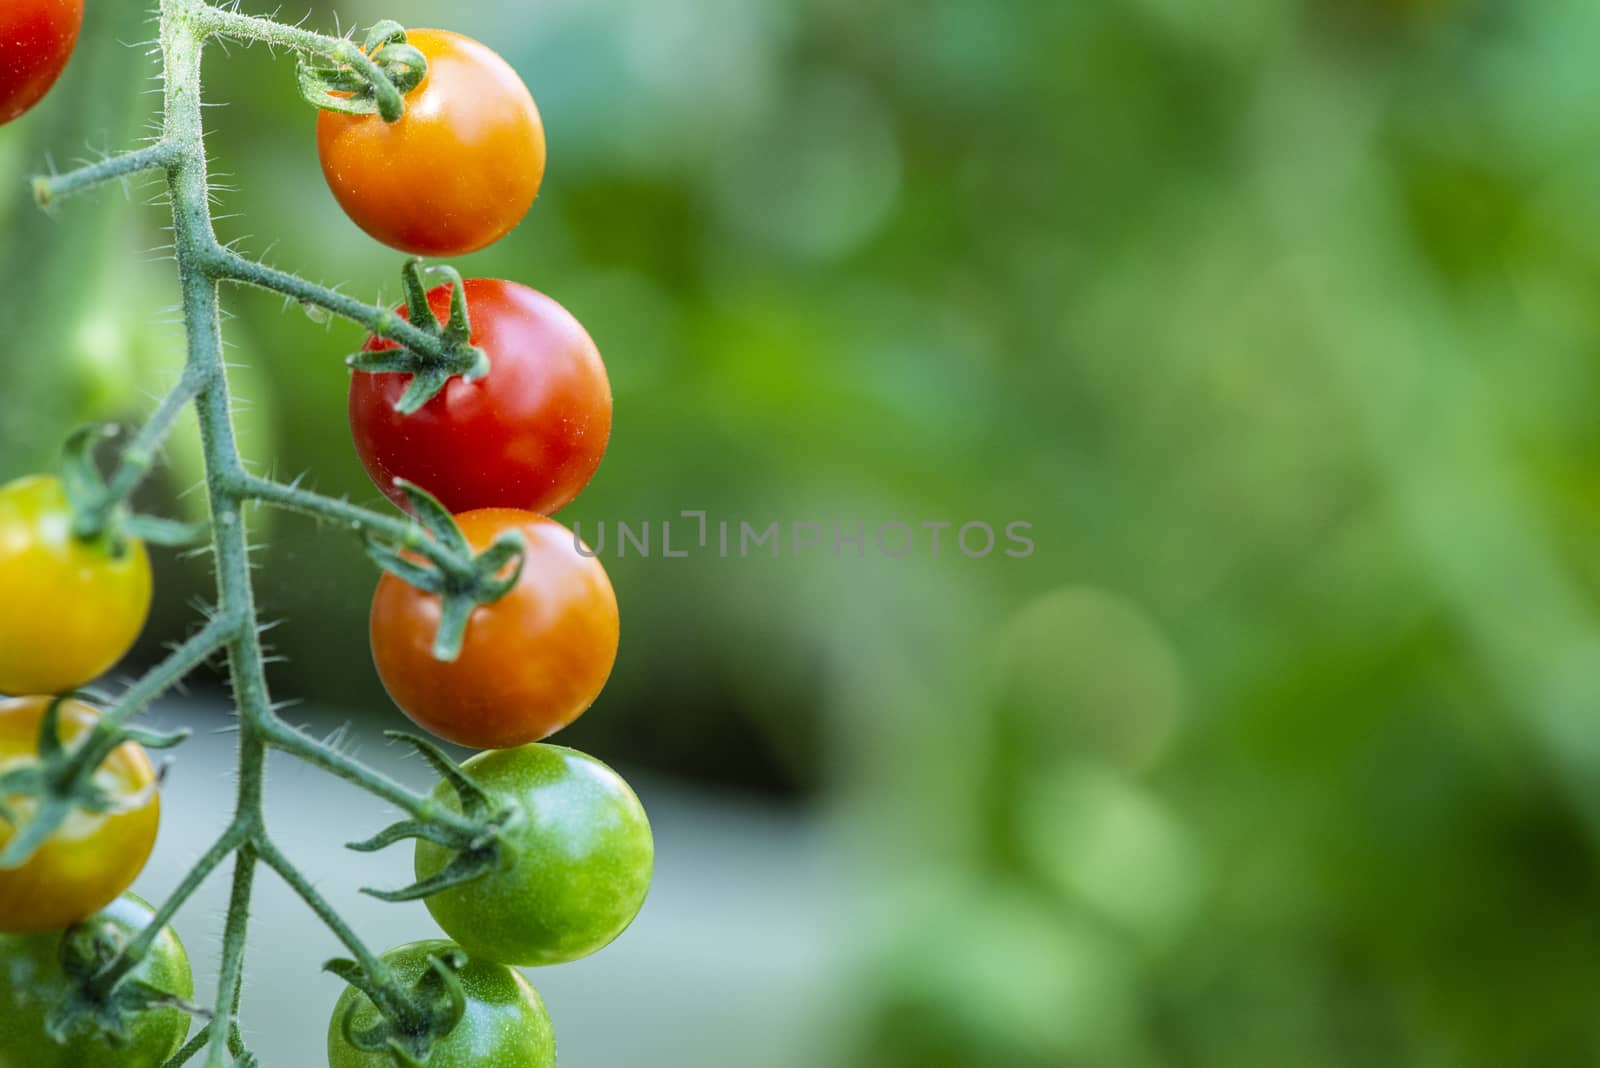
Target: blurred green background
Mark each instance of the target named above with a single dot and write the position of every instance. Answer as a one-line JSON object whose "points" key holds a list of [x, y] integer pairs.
{"points": [[1275, 318]]}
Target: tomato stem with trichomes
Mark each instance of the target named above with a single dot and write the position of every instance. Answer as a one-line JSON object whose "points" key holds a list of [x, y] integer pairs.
{"points": [[203, 264]]}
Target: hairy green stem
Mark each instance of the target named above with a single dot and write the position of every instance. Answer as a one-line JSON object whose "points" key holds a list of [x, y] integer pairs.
{"points": [[381, 322], [230, 983], [216, 22], [185, 658], [322, 755], [140, 454], [51, 188], [297, 881], [404, 533], [235, 836], [200, 1040]]}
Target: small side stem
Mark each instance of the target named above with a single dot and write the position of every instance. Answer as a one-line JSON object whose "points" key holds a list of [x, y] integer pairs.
{"points": [[190, 1048], [220, 22], [182, 660], [232, 839], [404, 533], [380, 322], [49, 188], [330, 917], [233, 938], [322, 755], [140, 454]]}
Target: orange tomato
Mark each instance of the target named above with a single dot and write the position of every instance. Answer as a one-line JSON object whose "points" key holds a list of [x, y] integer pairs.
{"points": [[532, 662], [93, 857], [458, 171]]}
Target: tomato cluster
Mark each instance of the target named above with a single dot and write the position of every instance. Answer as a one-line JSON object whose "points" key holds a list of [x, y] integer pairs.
{"points": [[502, 452], [73, 607]]}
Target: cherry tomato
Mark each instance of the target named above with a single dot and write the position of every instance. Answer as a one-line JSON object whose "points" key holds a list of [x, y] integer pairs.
{"points": [[71, 608], [505, 1024], [458, 171], [530, 434], [583, 860], [36, 40], [93, 857], [532, 662], [32, 985]]}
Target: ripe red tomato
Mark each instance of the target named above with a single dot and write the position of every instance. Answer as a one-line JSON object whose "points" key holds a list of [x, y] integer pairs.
{"points": [[36, 40], [528, 435], [93, 857], [458, 171], [532, 662]]}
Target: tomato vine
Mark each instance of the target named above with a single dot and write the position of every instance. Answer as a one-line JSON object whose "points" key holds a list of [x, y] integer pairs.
{"points": [[469, 832]]}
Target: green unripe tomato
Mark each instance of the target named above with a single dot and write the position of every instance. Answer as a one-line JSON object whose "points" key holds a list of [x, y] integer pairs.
{"points": [[32, 985], [583, 858], [505, 1024]]}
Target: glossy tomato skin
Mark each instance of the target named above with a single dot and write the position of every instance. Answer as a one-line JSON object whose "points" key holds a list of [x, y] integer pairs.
{"points": [[584, 857], [528, 435], [32, 985], [458, 171], [36, 40], [93, 857], [532, 662], [505, 1025], [72, 608]]}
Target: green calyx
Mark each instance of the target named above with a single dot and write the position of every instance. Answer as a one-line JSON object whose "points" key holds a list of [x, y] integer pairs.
{"points": [[480, 841], [429, 371], [370, 80], [461, 579], [103, 996], [99, 508], [412, 1019], [62, 781]]}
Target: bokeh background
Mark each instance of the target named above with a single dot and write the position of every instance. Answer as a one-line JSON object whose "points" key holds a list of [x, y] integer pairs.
{"points": [[1276, 319]]}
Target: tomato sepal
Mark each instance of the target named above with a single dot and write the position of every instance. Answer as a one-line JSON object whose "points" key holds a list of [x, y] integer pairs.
{"points": [[103, 995], [430, 374], [480, 850], [370, 80], [412, 1020], [100, 513], [488, 577], [61, 781]]}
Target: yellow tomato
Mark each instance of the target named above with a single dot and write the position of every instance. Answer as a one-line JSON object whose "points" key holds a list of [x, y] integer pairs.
{"points": [[69, 609], [93, 857]]}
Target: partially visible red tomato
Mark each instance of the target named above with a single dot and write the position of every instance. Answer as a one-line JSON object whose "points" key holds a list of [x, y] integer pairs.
{"points": [[36, 40], [528, 435], [458, 171]]}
